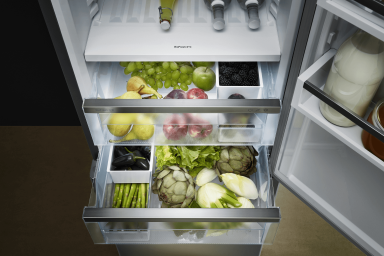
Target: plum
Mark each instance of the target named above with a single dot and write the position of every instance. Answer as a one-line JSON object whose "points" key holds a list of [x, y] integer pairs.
{"points": [[177, 94], [236, 96]]}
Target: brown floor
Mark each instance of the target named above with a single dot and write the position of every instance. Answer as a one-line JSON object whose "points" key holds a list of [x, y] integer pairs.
{"points": [[45, 185]]}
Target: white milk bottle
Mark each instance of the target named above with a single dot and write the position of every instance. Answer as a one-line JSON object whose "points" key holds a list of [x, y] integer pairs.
{"points": [[356, 73]]}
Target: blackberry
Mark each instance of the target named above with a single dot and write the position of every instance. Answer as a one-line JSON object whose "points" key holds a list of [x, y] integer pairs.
{"points": [[237, 79], [252, 72], [225, 82], [228, 72], [222, 69], [247, 83], [243, 74], [223, 64], [252, 65], [230, 64], [254, 80], [237, 65], [244, 67]]}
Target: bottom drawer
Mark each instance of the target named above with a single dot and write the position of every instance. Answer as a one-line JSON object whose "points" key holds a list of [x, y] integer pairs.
{"points": [[156, 225]]}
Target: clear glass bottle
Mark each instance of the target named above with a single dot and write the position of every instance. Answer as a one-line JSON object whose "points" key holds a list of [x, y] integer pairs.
{"points": [[356, 73], [166, 13], [217, 7], [252, 8], [371, 143]]}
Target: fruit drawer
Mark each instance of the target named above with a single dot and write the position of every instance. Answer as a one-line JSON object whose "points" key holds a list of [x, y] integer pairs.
{"points": [[197, 129]]}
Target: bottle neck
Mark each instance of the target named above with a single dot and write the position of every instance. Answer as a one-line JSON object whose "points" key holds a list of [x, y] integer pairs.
{"points": [[218, 11]]}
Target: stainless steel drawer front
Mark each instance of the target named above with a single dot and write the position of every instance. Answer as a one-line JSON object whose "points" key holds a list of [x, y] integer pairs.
{"points": [[181, 215], [271, 106]]}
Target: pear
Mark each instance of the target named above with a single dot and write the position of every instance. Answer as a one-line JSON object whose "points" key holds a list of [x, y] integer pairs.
{"points": [[142, 130], [120, 124], [134, 84]]}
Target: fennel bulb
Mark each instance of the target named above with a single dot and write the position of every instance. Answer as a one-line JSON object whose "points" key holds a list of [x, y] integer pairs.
{"points": [[212, 195], [205, 175], [246, 203], [241, 185]]}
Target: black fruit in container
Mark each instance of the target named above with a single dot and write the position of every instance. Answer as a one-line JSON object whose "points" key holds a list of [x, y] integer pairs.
{"points": [[146, 151], [238, 74], [142, 163], [127, 160], [131, 158]]}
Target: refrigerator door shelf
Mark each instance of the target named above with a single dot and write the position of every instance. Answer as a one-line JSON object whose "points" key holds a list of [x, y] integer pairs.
{"points": [[130, 31], [156, 225], [308, 104], [362, 19]]}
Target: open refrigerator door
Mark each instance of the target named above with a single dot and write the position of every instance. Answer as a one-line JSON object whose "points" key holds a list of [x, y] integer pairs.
{"points": [[329, 166]]}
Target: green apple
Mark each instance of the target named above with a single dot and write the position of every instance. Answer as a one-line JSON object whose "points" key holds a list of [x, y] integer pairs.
{"points": [[203, 64], [204, 78]]}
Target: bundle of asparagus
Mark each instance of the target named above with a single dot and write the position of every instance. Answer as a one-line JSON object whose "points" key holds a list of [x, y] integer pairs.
{"points": [[131, 195]]}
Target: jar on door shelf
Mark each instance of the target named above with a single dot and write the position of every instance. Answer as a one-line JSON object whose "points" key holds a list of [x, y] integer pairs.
{"points": [[371, 143], [356, 73]]}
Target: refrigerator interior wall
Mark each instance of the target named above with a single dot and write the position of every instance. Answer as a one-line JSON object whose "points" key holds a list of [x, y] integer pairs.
{"points": [[326, 165], [75, 19]]}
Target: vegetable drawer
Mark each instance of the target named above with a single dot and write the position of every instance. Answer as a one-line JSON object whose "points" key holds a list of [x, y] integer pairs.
{"points": [[156, 225]]}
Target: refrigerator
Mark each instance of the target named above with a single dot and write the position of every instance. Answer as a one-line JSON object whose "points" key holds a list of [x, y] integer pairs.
{"points": [[324, 165]]}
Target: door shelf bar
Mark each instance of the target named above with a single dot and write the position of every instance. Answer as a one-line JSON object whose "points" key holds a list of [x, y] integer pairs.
{"points": [[271, 106], [181, 215], [365, 125]]}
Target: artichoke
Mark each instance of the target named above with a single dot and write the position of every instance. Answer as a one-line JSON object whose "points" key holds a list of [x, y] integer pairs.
{"points": [[174, 186], [238, 160]]}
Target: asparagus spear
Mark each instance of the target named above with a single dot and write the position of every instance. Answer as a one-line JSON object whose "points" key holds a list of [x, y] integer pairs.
{"points": [[120, 198], [138, 203], [143, 195], [131, 194], [127, 187], [117, 186], [147, 194], [135, 198]]}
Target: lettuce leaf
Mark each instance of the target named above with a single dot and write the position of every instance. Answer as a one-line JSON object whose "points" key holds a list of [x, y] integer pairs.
{"points": [[188, 157]]}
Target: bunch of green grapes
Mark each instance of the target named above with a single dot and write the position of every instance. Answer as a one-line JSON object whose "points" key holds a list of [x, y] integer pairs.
{"points": [[158, 74]]}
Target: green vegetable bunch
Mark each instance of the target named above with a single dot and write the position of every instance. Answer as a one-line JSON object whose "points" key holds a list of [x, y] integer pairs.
{"points": [[193, 158], [131, 195]]}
